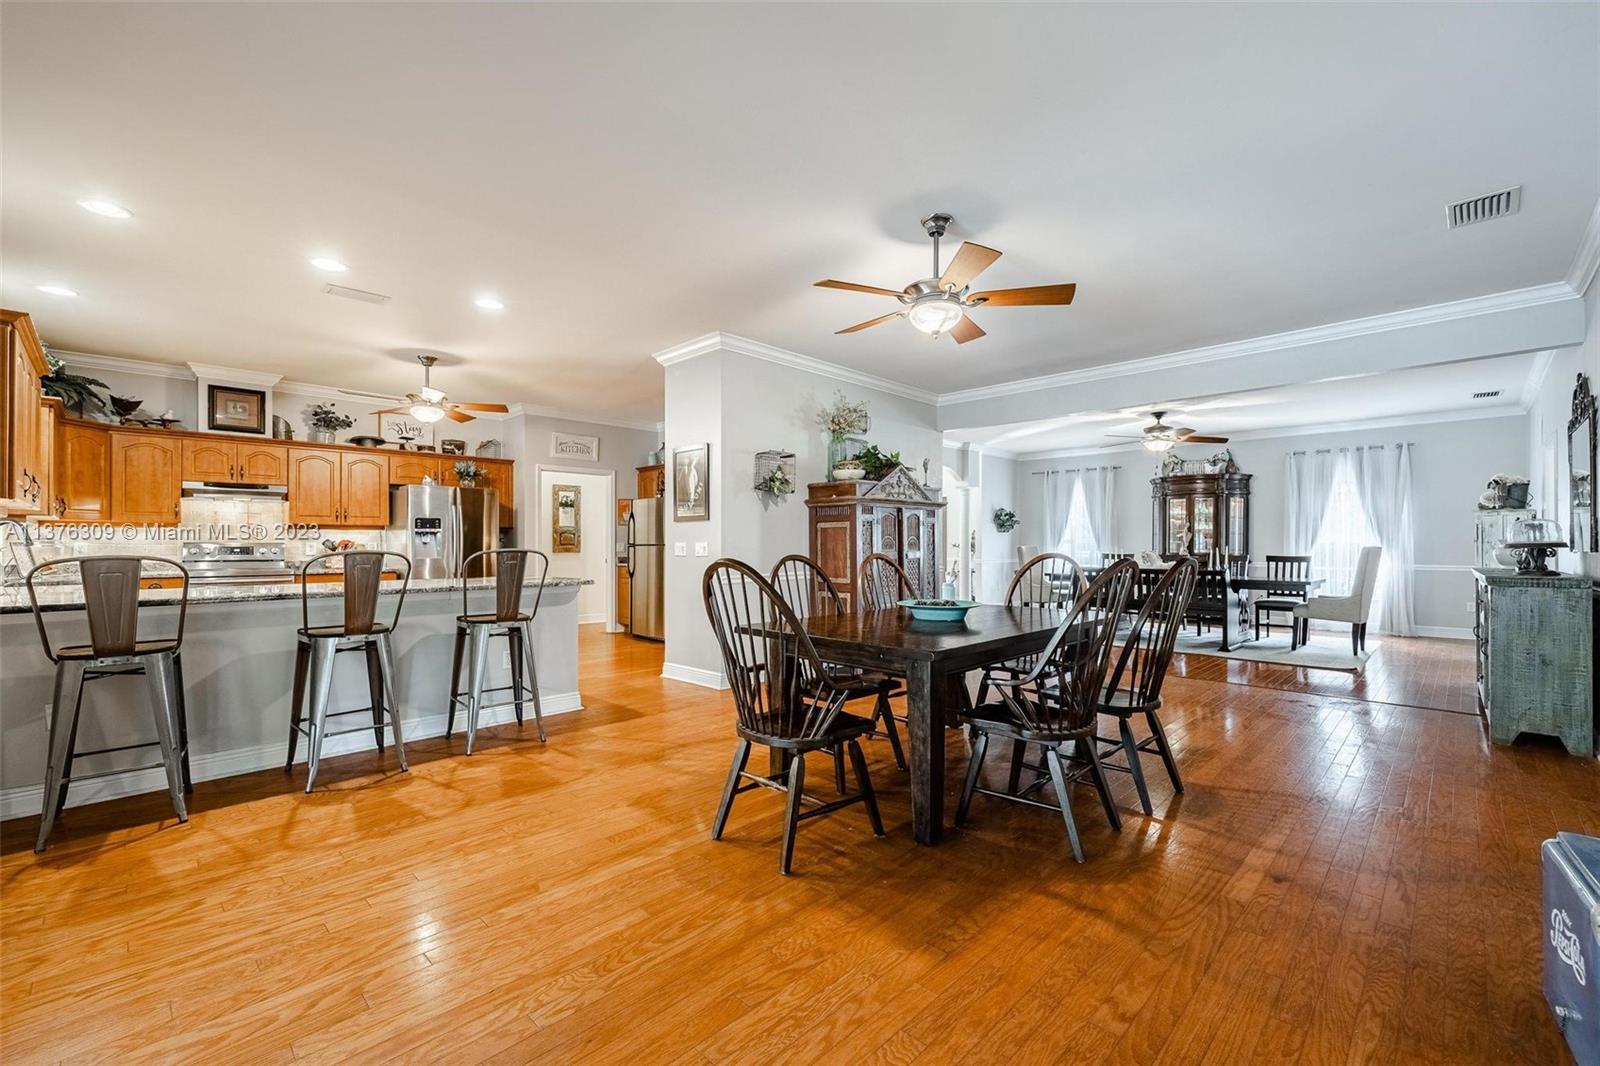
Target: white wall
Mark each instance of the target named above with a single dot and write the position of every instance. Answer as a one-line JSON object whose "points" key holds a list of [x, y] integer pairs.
{"points": [[1547, 429], [622, 452], [596, 533], [1451, 464]]}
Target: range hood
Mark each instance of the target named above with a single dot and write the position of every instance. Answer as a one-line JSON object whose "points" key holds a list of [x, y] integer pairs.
{"points": [[226, 490]]}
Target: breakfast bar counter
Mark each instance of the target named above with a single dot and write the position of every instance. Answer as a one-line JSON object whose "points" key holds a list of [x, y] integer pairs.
{"points": [[238, 663]]}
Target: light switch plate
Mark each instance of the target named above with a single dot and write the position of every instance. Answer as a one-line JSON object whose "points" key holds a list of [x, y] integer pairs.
{"points": [[680, 549], [701, 549]]}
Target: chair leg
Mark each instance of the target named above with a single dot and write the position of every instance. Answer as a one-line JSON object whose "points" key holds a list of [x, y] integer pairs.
{"points": [[838, 769], [375, 689], [455, 679], [386, 662], [974, 767], [741, 756], [1355, 639], [514, 638], [885, 714], [161, 683], [533, 678], [1363, 636], [1131, 748], [478, 648], [1052, 759], [864, 780], [791, 819], [321, 686], [1098, 771], [297, 699], [183, 723], [1159, 731], [1019, 752], [72, 749], [63, 723]]}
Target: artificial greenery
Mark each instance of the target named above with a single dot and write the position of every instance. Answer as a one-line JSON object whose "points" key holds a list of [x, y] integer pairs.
{"points": [[75, 390], [467, 470], [845, 417], [1004, 521], [875, 462], [325, 418], [777, 483]]}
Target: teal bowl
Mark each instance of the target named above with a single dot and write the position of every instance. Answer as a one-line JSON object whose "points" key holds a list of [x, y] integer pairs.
{"points": [[926, 612]]}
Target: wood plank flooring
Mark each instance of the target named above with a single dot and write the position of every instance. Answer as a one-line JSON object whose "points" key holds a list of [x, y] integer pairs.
{"points": [[1351, 876]]}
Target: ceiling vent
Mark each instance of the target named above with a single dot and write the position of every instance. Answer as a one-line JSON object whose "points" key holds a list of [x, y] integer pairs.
{"points": [[1486, 395], [356, 294], [1483, 208]]}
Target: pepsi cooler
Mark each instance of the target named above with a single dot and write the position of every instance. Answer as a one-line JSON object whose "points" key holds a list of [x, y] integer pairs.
{"points": [[1571, 935]]}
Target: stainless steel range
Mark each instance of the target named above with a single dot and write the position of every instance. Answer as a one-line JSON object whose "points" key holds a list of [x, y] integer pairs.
{"points": [[237, 564]]}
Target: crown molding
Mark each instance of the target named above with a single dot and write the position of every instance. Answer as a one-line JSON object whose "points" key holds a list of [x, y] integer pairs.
{"points": [[1355, 426], [1535, 380], [731, 342], [210, 371], [1355, 327], [126, 366], [1581, 274]]}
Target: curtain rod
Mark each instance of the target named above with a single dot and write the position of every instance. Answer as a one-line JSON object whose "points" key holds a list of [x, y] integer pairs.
{"points": [[1070, 470], [1347, 447]]}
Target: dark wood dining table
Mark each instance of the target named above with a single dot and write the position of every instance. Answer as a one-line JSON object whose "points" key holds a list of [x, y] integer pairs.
{"points": [[1236, 609], [934, 658]]}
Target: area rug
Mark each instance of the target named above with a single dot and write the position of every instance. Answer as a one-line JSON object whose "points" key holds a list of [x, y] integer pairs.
{"points": [[1327, 651]]}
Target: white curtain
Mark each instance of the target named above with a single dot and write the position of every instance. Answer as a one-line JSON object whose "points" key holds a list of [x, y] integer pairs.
{"points": [[1058, 486], [1383, 484], [1308, 480], [1099, 500]]}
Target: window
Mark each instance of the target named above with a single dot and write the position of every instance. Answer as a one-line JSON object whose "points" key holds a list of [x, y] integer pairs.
{"points": [[1077, 540], [1345, 531]]}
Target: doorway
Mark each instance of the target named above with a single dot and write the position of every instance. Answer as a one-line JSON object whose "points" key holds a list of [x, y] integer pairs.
{"points": [[961, 560], [577, 531]]}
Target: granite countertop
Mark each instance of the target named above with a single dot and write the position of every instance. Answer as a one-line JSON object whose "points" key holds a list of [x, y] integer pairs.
{"points": [[66, 597]]}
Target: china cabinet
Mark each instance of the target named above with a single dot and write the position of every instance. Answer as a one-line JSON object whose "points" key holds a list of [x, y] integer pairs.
{"points": [[897, 516], [1197, 514]]}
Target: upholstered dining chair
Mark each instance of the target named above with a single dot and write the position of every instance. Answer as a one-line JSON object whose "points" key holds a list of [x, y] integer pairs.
{"points": [[1353, 608], [784, 698], [810, 592]]}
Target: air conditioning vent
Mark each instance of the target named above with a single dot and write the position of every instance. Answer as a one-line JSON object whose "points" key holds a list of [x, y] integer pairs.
{"points": [[1486, 395], [1483, 208], [356, 294]]}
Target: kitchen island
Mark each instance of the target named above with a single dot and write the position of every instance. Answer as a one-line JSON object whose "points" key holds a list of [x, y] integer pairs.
{"points": [[238, 662]]}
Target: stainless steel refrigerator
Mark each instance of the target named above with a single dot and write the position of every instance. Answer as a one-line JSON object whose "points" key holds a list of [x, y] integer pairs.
{"points": [[646, 560], [440, 527]]}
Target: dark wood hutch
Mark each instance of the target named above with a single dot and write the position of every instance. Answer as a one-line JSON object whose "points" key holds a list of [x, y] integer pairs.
{"points": [[1196, 514], [896, 516]]}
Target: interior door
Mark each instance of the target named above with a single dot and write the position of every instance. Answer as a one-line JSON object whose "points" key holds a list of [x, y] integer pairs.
{"points": [[209, 460], [144, 479], [314, 486], [261, 464], [364, 480]]}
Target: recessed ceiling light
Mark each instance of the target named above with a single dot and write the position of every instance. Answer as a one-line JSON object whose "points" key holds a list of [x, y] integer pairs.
{"points": [[489, 303], [57, 290], [105, 208], [323, 262]]}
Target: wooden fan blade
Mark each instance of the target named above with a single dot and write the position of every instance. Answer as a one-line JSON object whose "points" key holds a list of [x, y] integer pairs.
{"points": [[498, 408], [869, 322], [1192, 439], [456, 416], [1035, 296], [970, 261], [850, 286], [966, 330]]}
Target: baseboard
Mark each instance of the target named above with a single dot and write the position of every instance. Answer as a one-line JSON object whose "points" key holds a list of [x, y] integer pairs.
{"points": [[590, 619], [1445, 632], [693, 675], [24, 800]]}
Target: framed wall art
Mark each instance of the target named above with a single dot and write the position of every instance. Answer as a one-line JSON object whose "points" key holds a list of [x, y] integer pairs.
{"points": [[236, 410], [691, 483], [566, 518]]}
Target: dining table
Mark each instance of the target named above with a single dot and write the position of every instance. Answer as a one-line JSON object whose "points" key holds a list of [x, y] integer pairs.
{"points": [[934, 658], [1236, 628]]}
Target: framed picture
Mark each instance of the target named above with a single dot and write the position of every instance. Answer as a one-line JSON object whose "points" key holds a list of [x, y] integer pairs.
{"points": [[691, 484], [236, 410], [400, 426], [574, 446], [566, 516], [453, 447]]}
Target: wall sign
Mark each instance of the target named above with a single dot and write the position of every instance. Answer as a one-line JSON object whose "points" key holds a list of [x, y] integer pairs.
{"points": [[401, 427], [574, 446]]}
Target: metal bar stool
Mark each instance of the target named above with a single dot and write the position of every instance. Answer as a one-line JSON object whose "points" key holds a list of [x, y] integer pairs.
{"points": [[359, 631], [111, 601], [474, 631]]}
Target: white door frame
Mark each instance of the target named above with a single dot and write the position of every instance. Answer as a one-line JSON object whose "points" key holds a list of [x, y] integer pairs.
{"points": [[537, 541]]}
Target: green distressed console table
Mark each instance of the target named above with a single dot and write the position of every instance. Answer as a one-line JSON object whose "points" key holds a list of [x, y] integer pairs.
{"points": [[1536, 656]]}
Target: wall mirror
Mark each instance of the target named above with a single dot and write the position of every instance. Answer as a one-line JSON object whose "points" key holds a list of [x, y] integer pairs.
{"points": [[1584, 536]]}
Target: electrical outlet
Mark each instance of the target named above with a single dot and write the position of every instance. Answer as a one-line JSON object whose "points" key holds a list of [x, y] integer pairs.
{"points": [[505, 659], [701, 549], [680, 549]]}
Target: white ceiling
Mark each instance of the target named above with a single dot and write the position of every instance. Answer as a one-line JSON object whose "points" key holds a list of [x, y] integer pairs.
{"points": [[626, 178], [1411, 394]]}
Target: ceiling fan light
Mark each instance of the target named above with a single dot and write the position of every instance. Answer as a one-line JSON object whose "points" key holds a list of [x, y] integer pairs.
{"points": [[1157, 444], [427, 412], [935, 314]]}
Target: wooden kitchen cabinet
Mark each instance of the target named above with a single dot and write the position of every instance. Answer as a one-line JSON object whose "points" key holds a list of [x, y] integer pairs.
{"points": [[81, 472], [652, 480], [502, 479], [144, 479], [22, 443], [209, 459], [409, 468], [364, 482], [262, 464], [314, 494], [50, 412]]}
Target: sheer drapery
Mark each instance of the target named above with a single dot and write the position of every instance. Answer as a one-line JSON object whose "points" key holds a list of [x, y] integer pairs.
{"points": [[1308, 481], [1099, 501], [1382, 477], [1058, 488]]}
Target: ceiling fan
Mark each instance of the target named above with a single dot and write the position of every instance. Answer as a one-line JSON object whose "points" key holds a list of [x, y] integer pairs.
{"points": [[429, 404], [939, 304], [1158, 436]]}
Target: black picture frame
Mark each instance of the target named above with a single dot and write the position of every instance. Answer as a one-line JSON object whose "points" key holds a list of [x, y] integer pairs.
{"points": [[691, 483], [231, 409]]}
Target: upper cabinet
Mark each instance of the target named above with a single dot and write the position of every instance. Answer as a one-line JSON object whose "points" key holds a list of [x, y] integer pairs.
{"points": [[144, 479], [314, 496], [261, 464], [364, 480], [210, 459], [23, 443], [409, 468], [652, 480], [205, 459], [81, 472]]}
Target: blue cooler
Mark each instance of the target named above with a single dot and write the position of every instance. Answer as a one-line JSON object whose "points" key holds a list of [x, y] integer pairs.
{"points": [[1572, 940]]}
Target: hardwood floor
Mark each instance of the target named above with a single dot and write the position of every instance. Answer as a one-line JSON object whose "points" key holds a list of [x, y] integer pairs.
{"points": [[1346, 880]]}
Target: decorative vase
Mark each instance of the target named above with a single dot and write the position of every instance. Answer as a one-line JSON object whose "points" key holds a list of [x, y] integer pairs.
{"points": [[838, 452], [320, 436], [848, 470]]}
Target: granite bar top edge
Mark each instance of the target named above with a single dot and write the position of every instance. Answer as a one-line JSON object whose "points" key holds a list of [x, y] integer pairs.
{"points": [[14, 599]]}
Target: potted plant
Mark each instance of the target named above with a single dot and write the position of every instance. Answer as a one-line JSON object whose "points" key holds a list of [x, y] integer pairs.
{"points": [[325, 421], [876, 464], [75, 390], [840, 421], [468, 472], [777, 483], [1004, 520]]}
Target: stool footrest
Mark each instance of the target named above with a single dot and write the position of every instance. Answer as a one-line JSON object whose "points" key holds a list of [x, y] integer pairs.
{"points": [[124, 747], [118, 770]]}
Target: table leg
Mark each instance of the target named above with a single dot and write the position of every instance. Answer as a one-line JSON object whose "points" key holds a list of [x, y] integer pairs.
{"points": [[1235, 612], [925, 698]]}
